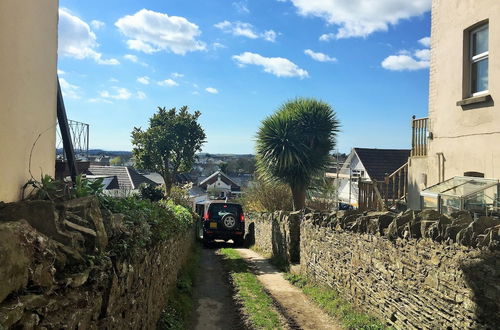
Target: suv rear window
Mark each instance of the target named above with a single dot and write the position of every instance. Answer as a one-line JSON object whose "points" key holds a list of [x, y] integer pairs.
{"points": [[218, 210]]}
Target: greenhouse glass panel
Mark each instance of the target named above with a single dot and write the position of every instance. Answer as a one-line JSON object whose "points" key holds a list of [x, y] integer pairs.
{"points": [[463, 193]]}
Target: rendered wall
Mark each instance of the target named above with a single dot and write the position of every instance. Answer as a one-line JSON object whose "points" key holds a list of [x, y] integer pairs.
{"points": [[468, 137], [28, 61]]}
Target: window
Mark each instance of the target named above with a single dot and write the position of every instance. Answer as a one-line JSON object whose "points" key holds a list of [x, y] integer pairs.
{"points": [[479, 55]]}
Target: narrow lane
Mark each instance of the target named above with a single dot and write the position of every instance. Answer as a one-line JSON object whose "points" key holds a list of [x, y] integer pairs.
{"points": [[214, 307], [293, 303]]}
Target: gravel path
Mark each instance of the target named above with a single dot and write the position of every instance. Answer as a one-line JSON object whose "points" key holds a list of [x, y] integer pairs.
{"points": [[301, 312]]}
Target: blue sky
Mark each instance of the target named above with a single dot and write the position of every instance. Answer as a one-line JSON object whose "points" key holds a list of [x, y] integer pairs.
{"points": [[237, 61]]}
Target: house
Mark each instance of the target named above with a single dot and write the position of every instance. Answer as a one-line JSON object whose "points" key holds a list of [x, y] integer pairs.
{"points": [[28, 92], [118, 181], [367, 165], [221, 185], [461, 136]]}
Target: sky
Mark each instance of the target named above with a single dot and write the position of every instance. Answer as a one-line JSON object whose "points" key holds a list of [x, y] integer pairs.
{"points": [[238, 61]]}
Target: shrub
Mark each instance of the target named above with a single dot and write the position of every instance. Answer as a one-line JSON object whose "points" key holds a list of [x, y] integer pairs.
{"points": [[146, 223], [261, 196], [151, 192]]}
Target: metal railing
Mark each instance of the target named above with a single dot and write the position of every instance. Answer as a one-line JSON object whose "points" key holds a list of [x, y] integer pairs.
{"points": [[420, 130], [79, 136]]}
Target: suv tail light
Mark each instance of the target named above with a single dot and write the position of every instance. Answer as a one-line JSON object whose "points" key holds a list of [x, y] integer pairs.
{"points": [[206, 216], [242, 217]]}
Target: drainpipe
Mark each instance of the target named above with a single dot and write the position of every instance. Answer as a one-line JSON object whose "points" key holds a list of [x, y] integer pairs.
{"points": [[440, 156]]}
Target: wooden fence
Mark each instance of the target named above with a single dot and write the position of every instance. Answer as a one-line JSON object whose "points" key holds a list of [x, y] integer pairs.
{"points": [[420, 130], [383, 195]]}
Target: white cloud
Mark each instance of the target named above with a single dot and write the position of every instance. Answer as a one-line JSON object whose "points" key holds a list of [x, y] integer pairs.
{"points": [[119, 93], [241, 7], [212, 90], [195, 93], [151, 32], [269, 35], [69, 91], [217, 45], [99, 100], [242, 29], [177, 75], [278, 66], [96, 25], [77, 40], [327, 37], [404, 63], [168, 82], [319, 56], [361, 18], [423, 54], [141, 95], [114, 80], [131, 58], [426, 42], [60, 72], [237, 29], [406, 60], [143, 80]]}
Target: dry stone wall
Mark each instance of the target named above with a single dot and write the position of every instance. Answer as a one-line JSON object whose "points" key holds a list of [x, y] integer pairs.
{"points": [[51, 280], [415, 270], [276, 234]]}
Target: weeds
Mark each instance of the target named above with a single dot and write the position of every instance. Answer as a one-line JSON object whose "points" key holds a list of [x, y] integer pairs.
{"points": [[256, 304], [330, 301], [176, 314]]}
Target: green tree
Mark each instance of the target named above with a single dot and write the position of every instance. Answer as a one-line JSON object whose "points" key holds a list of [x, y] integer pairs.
{"points": [[169, 144], [115, 161], [294, 143]]}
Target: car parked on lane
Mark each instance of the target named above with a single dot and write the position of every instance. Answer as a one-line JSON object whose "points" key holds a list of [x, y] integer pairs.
{"points": [[219, 219]]}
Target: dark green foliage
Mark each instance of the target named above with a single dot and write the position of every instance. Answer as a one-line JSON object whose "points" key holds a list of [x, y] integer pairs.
{"points": [[146, 223], [176, 314], [49, 188], [150, 192], [169, 144], [294, 143]]}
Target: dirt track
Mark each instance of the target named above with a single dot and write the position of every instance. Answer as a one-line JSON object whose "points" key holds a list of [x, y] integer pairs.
{"points": [[213, 296], [295, 306]]}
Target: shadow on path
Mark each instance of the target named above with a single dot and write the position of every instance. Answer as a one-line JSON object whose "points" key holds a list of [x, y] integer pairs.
{"points": [[214, 307]]}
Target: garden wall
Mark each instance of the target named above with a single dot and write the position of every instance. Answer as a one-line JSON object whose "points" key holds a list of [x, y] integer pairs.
{"points": [[413, 270], [276, 234], [55, 273]]}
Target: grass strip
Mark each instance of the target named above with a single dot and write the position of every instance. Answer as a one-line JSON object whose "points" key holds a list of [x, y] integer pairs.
{"points": [[256, 304], [330, 301], [177, 313]]}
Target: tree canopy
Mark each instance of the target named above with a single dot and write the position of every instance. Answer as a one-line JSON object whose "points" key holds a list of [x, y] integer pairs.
{"points": [[294, 143], [168, 146]]}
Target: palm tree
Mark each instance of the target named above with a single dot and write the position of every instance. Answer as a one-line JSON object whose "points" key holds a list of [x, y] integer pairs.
{"points": [[294, 143]]}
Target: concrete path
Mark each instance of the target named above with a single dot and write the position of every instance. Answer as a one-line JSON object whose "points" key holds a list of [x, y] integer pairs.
{"points": [[293, 303]]}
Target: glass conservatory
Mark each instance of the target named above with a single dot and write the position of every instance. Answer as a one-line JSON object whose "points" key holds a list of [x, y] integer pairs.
{"points": [[477, 195]]}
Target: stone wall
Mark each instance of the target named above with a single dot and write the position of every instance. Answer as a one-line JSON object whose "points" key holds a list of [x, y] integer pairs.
{"points": [[55, 275], [415, 270], [276, 234]]}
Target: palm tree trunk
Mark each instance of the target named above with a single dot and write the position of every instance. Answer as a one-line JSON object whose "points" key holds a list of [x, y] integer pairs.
{"points": [[299, 197]]}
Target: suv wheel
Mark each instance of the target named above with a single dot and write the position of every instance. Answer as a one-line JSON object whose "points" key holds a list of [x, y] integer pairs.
{"points": [[229, 221]]}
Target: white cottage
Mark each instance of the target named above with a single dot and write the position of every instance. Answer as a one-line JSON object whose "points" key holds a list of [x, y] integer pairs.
{"points": [[367, 165]]}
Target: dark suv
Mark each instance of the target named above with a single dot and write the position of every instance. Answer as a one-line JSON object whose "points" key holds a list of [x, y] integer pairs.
{"points": [[220, 220]]}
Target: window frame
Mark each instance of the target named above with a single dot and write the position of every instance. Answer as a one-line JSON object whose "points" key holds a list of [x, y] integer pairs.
{"points": [[472, 59]]}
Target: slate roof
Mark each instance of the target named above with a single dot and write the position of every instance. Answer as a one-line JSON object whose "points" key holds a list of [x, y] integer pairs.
{"points": [[380, 162], [226, 179], [127, 177]]}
